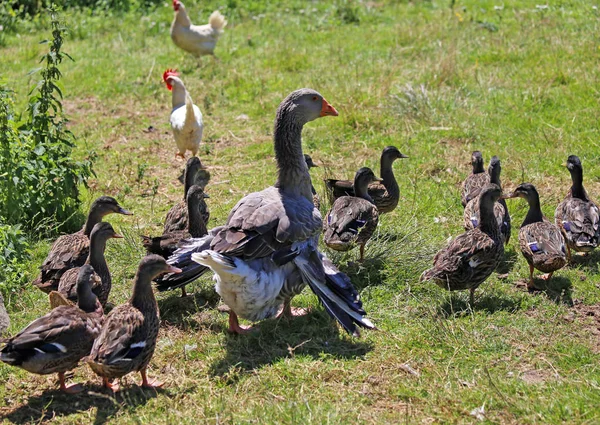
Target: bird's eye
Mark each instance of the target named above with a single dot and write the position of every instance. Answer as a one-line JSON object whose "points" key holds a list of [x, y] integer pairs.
{"points": [[315, 98]]}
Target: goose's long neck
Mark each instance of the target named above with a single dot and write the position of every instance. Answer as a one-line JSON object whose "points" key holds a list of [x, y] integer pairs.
{"points": [[534, 214], [387, 174], [143, 297], [577, 190], [293, 176], [94, 217]]}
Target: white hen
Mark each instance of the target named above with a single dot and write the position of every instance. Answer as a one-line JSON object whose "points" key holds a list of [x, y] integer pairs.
{"points": [[186, 118], [198, 40]]}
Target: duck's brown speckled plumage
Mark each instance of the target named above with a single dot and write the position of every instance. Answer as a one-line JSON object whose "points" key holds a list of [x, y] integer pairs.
{"points": [[471, 213], [469, 259], [128, 337], [166, 244], [72, 250], [57, 341], [102, 281], [385, 194], [541, 242], [352, 220], [578, 216], [475, 181], [177, 217]]}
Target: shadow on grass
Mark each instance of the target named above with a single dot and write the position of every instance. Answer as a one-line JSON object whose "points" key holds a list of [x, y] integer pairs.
{"points": [[53, 404], [315, 335], [558, 289], [589, 262], [367, 273], [491, 303], [507, 262], [178, 311]]}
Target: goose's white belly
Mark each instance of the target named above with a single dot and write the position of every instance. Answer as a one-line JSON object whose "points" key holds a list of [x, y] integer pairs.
{"points": [[253, 289]]}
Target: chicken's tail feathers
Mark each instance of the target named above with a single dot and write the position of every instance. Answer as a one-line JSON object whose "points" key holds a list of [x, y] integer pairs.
{"points": [[335, 291], [217, 21]]}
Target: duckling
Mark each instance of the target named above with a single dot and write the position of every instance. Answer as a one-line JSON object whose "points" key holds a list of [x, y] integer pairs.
{"points": [[578, 216], [127, 340], [468, 260], [542, 243], [475, 181], [471, 214], [310, 164], [57, 341], [352, 219], [385, 193], [67, 286], [72, 250], [177, 217]]}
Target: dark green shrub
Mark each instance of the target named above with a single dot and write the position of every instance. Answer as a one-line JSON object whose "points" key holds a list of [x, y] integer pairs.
{"points": [[41, 181], [13, 254]]}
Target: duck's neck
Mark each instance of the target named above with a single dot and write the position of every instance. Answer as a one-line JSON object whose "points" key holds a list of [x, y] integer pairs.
{"points": [[182, 18], [86, 300], [188, 181], [577, 190], [387, 174], [495, 176], [293, 176], [94, 217], [96, 258], [478, 167], [488, 224], [143, 297], [361, 190], [196, 225], [534, 215]]}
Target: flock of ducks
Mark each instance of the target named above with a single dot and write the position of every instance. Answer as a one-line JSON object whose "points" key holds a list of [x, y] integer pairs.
{"points": [[470, 258], [267, 252]]}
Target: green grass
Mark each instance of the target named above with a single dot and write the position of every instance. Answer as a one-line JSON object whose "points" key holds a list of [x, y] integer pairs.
{"points": [[520, 82]]}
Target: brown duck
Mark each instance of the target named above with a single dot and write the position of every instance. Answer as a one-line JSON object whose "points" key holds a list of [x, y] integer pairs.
{"points": [[469, 259], [166, 244], [67, 286], [352, 220], [177, 217], [57, 341], [475, 181], [127, 340], [72, 250], [578, 216], [385, 193], [542, 243], [471, 213]]}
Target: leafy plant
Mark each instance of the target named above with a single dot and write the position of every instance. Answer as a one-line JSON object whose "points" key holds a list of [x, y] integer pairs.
{"points": [[13, 253], [41, 181]]}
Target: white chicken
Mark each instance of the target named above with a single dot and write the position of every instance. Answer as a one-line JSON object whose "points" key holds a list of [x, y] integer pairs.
{"points": [[198, 40], [186, 118]]}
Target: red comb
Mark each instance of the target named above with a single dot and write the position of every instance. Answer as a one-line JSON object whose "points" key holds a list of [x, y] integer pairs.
{"points": [[176, 5], [169, 73]]}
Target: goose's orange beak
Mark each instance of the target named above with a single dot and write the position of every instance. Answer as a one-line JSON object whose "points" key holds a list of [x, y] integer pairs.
{"points": [[327, 109]]}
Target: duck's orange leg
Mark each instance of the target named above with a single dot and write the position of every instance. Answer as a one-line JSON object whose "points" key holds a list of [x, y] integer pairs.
{"points": [[113, 386], [154, 383], [69, 389]]}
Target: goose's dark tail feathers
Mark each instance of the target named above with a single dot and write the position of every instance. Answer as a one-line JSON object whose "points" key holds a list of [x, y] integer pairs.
{"points": [[335, 291], [182, 258]]}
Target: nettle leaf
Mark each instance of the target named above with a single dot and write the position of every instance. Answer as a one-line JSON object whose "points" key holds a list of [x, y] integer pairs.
{"points": [[39, 150]]}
